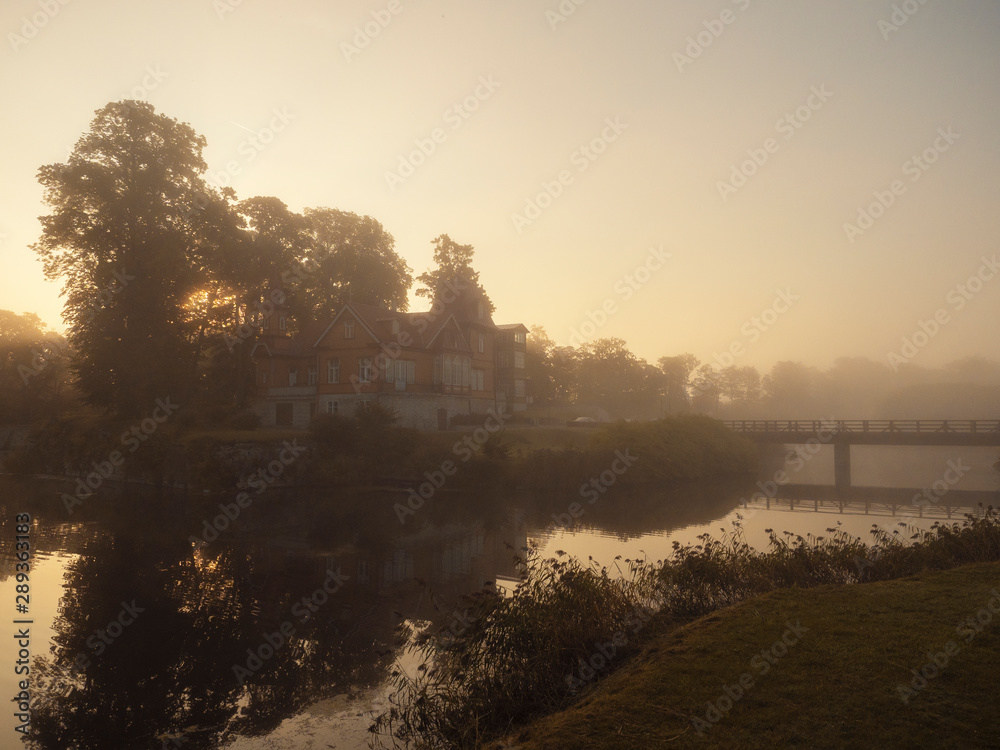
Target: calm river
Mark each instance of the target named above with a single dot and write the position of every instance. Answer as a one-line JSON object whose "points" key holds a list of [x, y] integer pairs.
{"points": [[281, 633]]}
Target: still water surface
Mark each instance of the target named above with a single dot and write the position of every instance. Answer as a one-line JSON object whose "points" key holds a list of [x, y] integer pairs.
{"points": [[140, 630]]}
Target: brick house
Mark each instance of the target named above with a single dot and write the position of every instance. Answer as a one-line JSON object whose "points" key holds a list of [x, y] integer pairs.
{"points": [[429, 367]]}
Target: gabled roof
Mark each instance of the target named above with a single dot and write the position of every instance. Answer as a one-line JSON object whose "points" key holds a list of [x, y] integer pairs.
{"points": [[364, 314], [463, 343]]}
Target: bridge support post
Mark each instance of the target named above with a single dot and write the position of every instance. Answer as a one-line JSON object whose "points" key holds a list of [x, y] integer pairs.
{"points": [[842, 467]]}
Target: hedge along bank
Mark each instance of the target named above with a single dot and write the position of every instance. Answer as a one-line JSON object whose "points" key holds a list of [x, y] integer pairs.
{"points": [[131, 438], [465, 449], [259, 481]]}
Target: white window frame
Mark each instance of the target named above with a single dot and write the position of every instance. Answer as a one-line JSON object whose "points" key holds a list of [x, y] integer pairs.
{"points": [[333, 371], [365, 370], [348, 329]]}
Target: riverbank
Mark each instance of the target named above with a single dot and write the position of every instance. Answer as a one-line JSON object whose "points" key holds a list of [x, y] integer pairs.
{"points": [[903, 663], [369, 451]]}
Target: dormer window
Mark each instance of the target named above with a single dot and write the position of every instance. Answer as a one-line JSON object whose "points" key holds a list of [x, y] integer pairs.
{"points": [[395, 326], [282, 323], [348, 329]]}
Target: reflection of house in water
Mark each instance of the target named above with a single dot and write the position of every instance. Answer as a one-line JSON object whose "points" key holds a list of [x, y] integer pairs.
{"points": [[455, 559]]}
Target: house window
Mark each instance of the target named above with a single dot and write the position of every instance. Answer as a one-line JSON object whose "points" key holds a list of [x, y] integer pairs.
{"points": [[482, 343], [518, 387], [293, 377], [437, 370], [505, 389], [266, 322], [519, 359], [332, 407], [263, 377], [519, 337], [348, 329], [365, 370], [282, 323], [312, 376], [466, 371], [395, 326], [333, 371], [477, 380], [504, 359]]}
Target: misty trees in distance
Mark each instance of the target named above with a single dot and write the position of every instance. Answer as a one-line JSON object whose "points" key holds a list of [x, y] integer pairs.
{"points": [[604, 378], [160, 268]]}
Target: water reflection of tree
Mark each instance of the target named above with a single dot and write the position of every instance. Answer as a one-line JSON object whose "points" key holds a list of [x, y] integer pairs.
{"points": [[171, 671]]}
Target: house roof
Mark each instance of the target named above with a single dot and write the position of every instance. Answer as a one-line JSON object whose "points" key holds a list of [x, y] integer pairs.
{"points": [[512, 327]]}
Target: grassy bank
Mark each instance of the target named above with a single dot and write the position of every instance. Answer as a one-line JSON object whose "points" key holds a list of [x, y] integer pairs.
{"points": [[846, 681], [569, 625]]}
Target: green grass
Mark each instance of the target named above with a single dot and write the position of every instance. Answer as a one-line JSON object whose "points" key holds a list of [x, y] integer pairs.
{"points": [[837, 687]]}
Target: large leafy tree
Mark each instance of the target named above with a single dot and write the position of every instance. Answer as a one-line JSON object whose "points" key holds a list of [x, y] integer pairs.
{"points": [[126, 236], [453, 261], [32, 368], [352, 258], [677, 378]]}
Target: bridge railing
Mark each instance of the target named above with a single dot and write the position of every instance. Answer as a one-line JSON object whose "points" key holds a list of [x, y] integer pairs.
{"points": [[911, 426]]}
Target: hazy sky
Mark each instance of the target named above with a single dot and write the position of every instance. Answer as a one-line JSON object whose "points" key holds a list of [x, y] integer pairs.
{"points": [[824, 104]]}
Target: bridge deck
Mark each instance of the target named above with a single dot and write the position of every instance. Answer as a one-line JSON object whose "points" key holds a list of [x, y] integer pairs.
{"points": [[872, 431]]}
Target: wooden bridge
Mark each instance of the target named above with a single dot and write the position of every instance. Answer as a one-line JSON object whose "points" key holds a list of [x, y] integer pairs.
{"points": [[843, 433]]}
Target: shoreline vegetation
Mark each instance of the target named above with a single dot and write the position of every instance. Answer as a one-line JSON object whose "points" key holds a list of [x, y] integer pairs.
{"points": [[369, 451], [530, 667]]}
